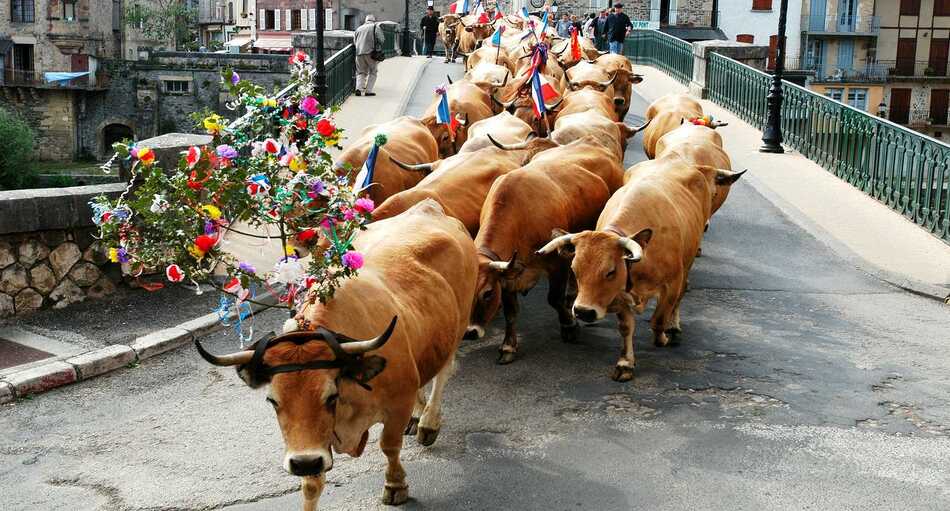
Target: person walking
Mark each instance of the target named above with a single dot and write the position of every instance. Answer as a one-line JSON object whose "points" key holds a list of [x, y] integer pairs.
{"points": [[368, 38], [618, 26], [600, 31], [430, 29], [564, 26]]}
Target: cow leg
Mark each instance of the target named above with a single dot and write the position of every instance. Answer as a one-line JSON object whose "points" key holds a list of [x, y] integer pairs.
{"points": [[417, 410], [626, 323], [431, 422], [509, 347], [312, 487], [396, 491], [665, 305], [674, 327], [557, 287]]}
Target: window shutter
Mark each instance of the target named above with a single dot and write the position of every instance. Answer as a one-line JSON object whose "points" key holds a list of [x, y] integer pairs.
{"points": [[304, 20], [276, 19], [313, 19], [287, 24], [262, 20]]}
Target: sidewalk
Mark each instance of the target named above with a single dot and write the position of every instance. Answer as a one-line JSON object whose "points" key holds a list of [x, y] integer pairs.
{"points": [[858, 228]]}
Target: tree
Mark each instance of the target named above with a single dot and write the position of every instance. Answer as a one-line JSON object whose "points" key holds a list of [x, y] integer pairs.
{"points": [[162, 20], [15, 170]]}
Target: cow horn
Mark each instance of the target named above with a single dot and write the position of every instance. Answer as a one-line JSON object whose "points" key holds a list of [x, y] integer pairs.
{"points": [[602, 52], [509, 147], [555, 244], [608, 82], [634, 129], [232, 359], [718, 124], [419, 167], [633, 249], [555, 105], [503, 83], [466, 55], [359, 347], [449, 78], [504, 105], [503, 266], [725, 177]]}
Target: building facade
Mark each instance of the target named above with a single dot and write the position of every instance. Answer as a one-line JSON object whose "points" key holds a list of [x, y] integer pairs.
{"points": [[756, 22]]}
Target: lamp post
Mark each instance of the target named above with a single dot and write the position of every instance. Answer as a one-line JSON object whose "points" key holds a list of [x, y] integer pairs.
{"points": [[406, 35], [321, 84], [772, 135], [882, 110]]}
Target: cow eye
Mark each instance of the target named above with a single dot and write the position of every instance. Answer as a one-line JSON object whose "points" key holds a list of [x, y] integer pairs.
{"points": [[331, 401], [611, 274], [272, 402], [488, 294]]}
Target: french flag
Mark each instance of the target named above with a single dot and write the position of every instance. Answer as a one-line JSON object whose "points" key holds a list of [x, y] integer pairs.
{"points": [[496, 37], [480, 12], [498, 14], [444, 116], [459, 7], [365, 176], [541, 93]]}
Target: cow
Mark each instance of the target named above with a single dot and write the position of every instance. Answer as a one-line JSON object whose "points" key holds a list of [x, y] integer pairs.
{"points": [[448, 30], [328, 389], [584, 151], [643, 247], [469, 103], [708, 159], [460, 183], [504, 127], [675, 102], [690, 132], [586, 75], [607, 132], [409, 139], [586, 99], [622, 70], [521, 209], [473, 32], [489, 54], [490, 77]]}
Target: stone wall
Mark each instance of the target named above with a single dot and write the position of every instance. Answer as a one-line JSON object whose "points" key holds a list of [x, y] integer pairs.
{"points": [[48, 256], [52, 115]]}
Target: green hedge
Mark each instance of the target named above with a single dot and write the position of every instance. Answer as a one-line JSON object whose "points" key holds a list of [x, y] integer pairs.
{"points": [[17, 136]]}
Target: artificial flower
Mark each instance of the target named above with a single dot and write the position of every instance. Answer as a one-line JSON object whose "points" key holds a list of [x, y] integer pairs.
{"points": [[246, 267], [114, 255], [298, 57], [213, 125], [288, 270], [306, 235], [192, 156], [211, 210], [235, 78], [159, 204], [210, 227], [272, 146], [353, 259], [174, 274], [298, 164], [205, 242], [325, 128], [226, 151], [364, 205], [310, 105], [145, 155]]}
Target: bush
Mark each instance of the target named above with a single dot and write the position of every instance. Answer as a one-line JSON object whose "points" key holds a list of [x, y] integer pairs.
{"points": [[17, 136]]}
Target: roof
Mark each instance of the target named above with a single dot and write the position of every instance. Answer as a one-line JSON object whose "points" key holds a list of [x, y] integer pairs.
{"points": [[692, 34], [274, 42]]}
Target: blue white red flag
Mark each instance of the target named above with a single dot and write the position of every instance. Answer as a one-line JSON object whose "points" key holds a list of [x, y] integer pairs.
{"points": [[541, 93], [496, 37], [365, 176], [459, 7], [443, 115]]}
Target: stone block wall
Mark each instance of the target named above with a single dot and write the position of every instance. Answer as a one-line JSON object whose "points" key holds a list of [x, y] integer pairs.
{"points": [[51, 113], [48, 255]]}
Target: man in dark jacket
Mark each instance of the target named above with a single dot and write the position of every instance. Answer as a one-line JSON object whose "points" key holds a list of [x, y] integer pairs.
{"points": [[600, 31], [618, 26], [430, 29]]}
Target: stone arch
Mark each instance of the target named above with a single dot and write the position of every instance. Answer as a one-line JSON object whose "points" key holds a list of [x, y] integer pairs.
{"points": [[111, 131]]}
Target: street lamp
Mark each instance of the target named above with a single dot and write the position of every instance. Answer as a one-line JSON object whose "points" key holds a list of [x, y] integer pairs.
{"points": [[321, 82], [772, 135], [882, 110], [406, 46]]}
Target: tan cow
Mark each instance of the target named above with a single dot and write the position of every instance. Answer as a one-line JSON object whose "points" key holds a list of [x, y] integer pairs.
{"points": [[607, 132], [587, 99], [585, 75], [449, 28], [621, 68], [490, 77], [665, 115], [409, 140], [469, 103], [327, 389], [643, 247], [675, 102], [562, 51], [504, 127], [710, 159], [488, 54], [472, 33], [689, 132], [460, 183], [521, 209]]}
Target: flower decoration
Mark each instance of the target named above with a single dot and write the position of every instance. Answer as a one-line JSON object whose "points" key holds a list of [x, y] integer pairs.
{"points": [[271, 171]]}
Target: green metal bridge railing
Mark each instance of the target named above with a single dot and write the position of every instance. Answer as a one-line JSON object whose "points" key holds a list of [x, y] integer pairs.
{"points": [[340, 70], [662, 51], [390, 31], [906, 170]]}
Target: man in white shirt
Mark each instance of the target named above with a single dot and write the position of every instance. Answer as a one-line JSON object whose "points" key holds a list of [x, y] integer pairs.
{"points": [[368, 37]]}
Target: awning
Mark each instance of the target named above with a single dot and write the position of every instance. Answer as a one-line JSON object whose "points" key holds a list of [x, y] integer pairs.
{"points": [[239, 41], [274, 42], [63, 77]]}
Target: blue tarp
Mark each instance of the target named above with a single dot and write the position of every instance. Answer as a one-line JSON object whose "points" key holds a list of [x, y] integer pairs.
{"points": [[63, 77]]}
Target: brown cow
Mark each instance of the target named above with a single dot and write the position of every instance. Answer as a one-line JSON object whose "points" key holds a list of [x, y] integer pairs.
{"points": [[490, 77], [473, 33], [409, 140], [469, 103], [675, 102], [449, 28], [420, 267], [561, 49], [587, 99], [711, 161], [689, 132], [488, 54], [521, 209], [609, 133], [586, 75], [461, 183], [644, 245], [504, 127], [620, 67]]}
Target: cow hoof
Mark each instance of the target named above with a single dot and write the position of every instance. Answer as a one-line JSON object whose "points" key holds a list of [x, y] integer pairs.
{"points": [[395, 496], [661, 340], [426, 436], [413, 426], [622, 374], [699, 252], [569, 333], [506, 357]]}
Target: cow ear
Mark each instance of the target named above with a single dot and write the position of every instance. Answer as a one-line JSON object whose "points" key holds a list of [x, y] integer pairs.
{"points": [[635, 78], [369, 368], [643, 237]]}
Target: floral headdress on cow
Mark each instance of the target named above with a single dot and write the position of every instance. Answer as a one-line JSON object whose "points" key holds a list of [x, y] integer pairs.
{"points": [[270, 172]]}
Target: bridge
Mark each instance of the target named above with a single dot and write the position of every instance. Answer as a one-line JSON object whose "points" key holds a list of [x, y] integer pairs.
{"points": [[811, 374]]}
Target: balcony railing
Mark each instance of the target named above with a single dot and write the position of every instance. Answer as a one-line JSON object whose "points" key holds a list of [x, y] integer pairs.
{"points": [[842, 24], [23, 78], [915, 68], [681, 17], [872, 72]]}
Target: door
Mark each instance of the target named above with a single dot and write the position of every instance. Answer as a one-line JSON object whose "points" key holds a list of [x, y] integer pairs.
{"points": [[939, 99], [816, 62], [845, 55], [846, 15], [939, 50], [906, 53], [816, 16], [900, 106], [664, 12]]}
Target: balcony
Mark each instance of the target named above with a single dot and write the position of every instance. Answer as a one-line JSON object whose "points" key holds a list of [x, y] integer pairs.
{"points": [[915, 69], [841, 26], [213, 13], [871, 72], [37, 80]]}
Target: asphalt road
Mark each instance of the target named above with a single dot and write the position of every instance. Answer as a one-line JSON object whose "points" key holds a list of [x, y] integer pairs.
{"points": [[800, 383]]}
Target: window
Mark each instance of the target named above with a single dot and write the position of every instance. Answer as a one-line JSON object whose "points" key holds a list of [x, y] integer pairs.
{"points": [[938, 106], [900, 106], [69, 10], [858, 98], [906, 53], [761, 5], [295, 20], [177, 86], [269, 20], [938, 56], [910, 7], [835, 94], [745, 38], [21, 11], [941, 7]]}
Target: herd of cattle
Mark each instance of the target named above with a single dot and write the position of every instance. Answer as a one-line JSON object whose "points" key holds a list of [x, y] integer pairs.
{"points": [[539, 198]]}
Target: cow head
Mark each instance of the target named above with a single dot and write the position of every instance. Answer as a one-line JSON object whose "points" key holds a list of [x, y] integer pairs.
{"points": [[600, 261], [318, 386], [447, 142], [623, 88], [491, 276]]}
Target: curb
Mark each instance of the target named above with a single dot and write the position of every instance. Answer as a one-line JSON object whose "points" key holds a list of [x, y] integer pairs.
{"points": [[58, 373], [407, 95]]}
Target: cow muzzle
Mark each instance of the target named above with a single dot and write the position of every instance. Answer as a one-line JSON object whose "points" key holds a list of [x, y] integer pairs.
{"points": [[587, 314], [308, 464], [474, 332], [619, 101]]}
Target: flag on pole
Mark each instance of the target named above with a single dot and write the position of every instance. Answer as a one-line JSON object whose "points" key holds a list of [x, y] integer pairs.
{"points": [[541, 92], [459, 7], [442, 114], [365, 176], [498, 14], [544, 22], [479, 11], [524, 13], [496, 37], [575, 45]]}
